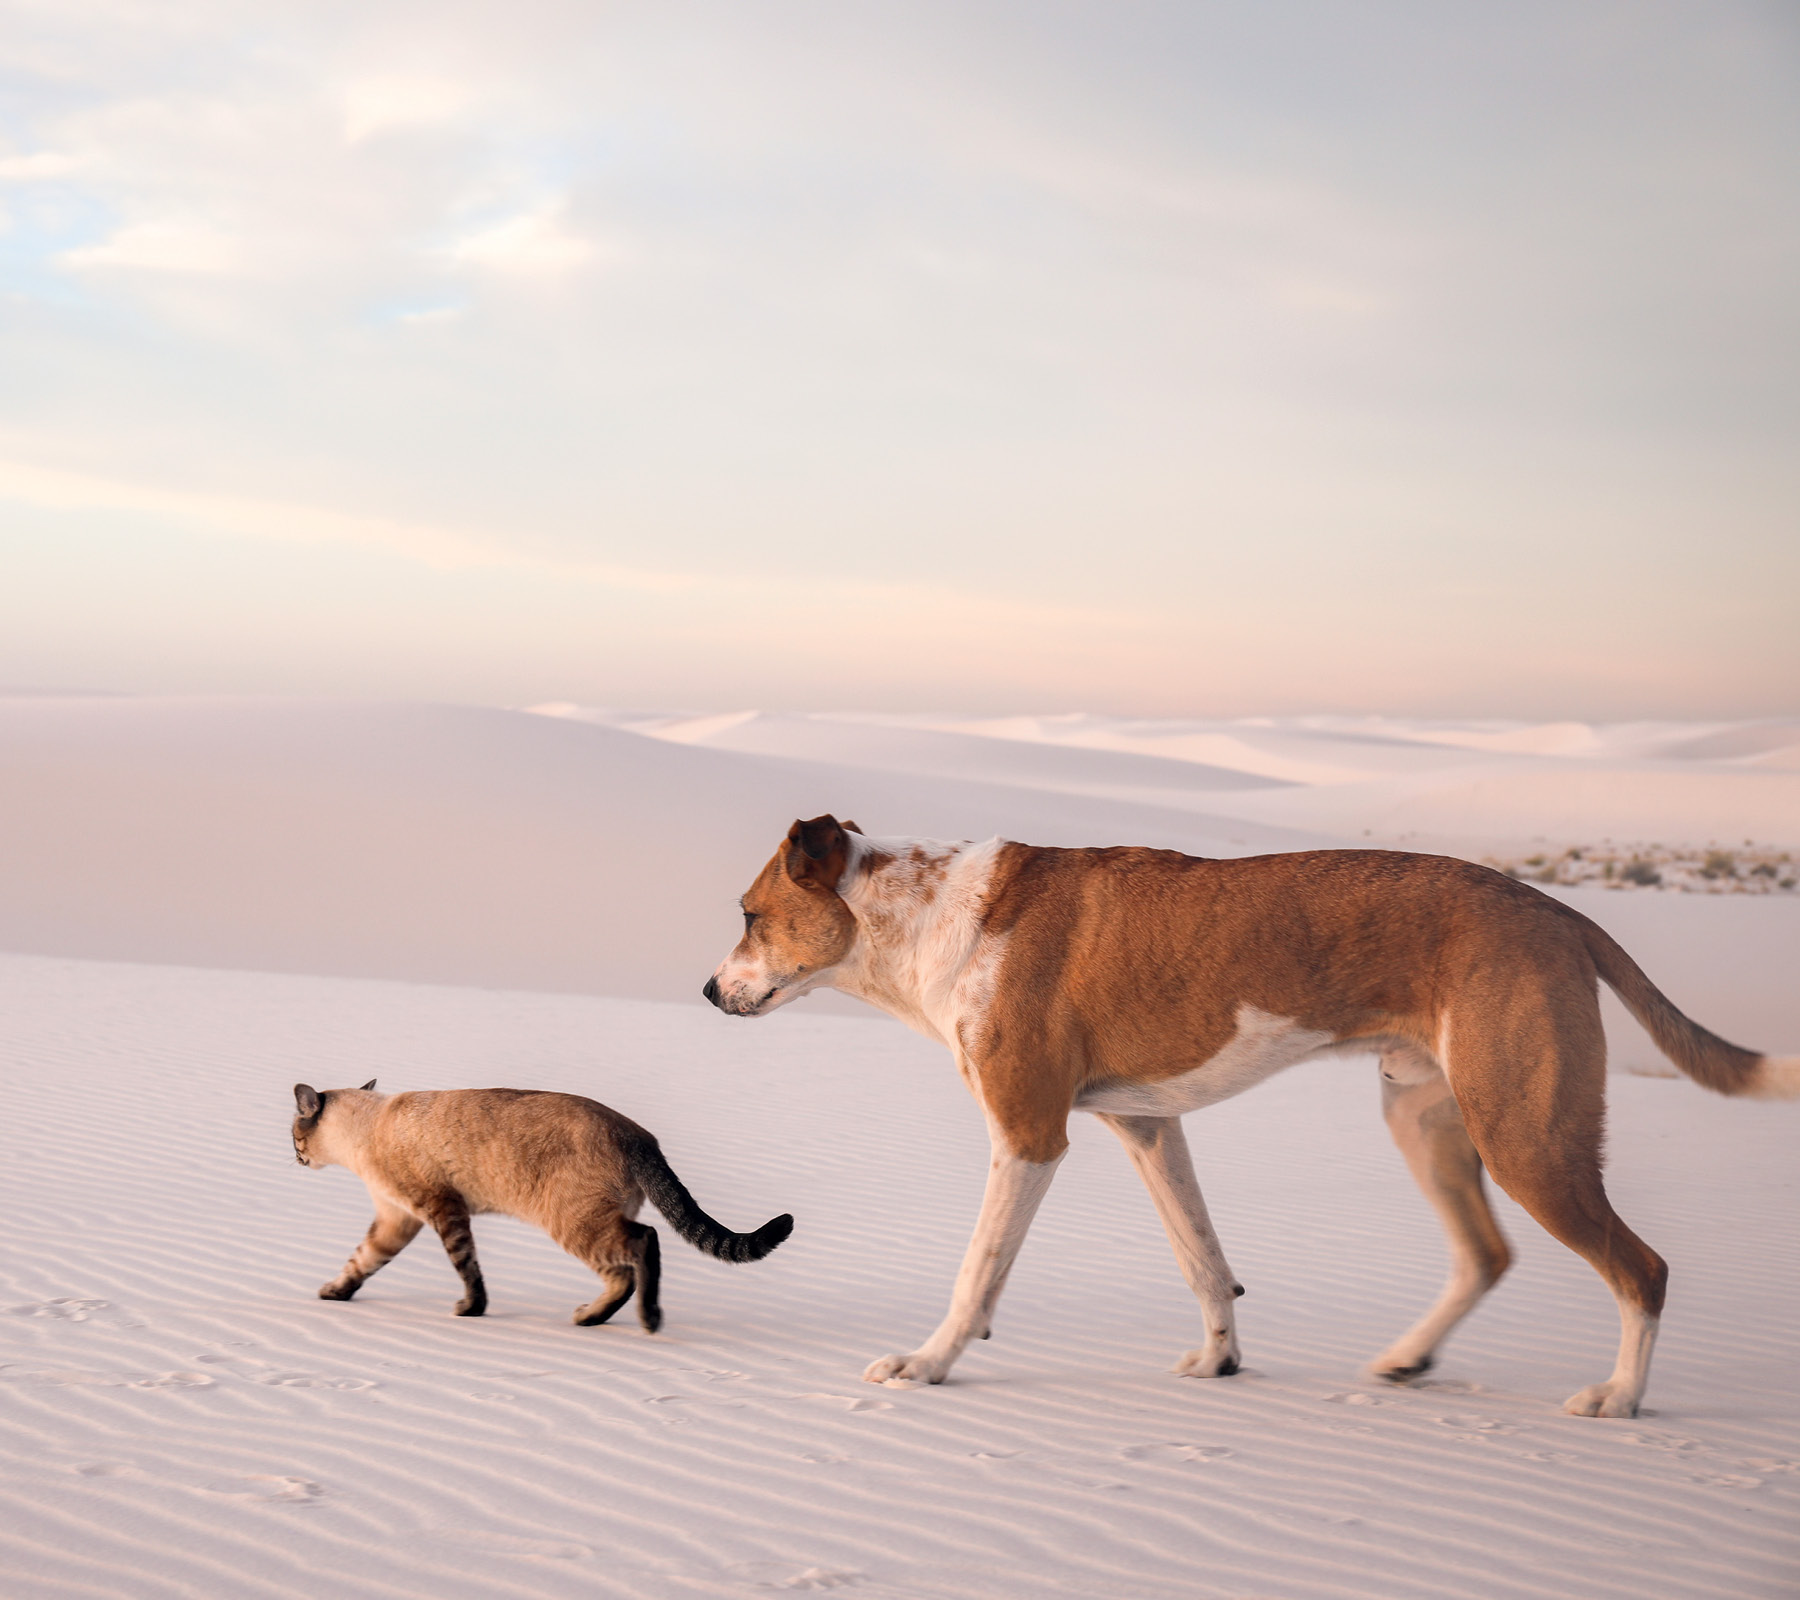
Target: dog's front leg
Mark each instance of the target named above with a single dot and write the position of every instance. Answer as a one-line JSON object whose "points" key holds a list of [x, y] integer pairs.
{"points": [[1014, 1189]]}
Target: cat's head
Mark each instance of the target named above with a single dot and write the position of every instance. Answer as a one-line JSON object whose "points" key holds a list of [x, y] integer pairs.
{"points": [[310, 1106]]}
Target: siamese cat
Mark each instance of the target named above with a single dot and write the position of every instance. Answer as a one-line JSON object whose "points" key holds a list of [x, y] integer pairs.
{"points": [[574, 1167]]}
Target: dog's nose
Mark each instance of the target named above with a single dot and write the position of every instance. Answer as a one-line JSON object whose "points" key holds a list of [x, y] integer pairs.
{"points": [[711, 991]]}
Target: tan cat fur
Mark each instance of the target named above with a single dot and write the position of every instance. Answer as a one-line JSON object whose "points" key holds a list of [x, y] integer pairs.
{"points": [[577, 1169]]}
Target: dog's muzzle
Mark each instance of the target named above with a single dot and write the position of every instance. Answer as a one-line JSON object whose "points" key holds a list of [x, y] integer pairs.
{"points": [[711, 991]]}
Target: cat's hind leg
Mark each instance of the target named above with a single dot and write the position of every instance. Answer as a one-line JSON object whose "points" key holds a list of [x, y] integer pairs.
{"points": [[649, 1276], [390, 1233], [450, 1217], [628, 1259]]}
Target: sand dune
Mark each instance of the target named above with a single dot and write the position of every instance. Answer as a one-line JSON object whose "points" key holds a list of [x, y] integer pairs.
{"points": [[443, 843], [182, 1417], [1467, 788]]}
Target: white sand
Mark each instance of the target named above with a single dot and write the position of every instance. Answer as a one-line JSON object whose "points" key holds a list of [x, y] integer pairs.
{"points": [[180, 1416]]}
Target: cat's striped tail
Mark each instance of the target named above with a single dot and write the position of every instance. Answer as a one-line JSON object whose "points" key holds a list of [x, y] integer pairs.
{"points": [[669, 1195]]}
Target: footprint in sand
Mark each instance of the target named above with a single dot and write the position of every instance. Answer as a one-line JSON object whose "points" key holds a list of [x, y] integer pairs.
{"points": [[846, 1402], [1662, 1441], [1725, 1480], [783, 1575], [1174, 1454], [104, 1469], [1491, 1426], [1358, 1398], [268, 1488], [61, 1310], [174, 1380], [302, 1380]]}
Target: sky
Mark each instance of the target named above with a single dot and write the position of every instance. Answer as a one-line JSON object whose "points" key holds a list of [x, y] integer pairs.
{"points": [[1161, 359]]}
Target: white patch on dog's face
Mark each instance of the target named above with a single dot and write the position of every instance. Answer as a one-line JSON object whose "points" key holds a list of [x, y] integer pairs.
{"points": [[796, 933]]}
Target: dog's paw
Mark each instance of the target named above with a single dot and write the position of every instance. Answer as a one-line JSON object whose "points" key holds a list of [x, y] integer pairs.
{"points": [[1602, 1400], [1210, 1361], [337, 1289], [919, 1367], [1399, 1368]]}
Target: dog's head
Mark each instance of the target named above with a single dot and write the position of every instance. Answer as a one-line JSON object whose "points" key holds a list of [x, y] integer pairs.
{"points": [[797, 929]]}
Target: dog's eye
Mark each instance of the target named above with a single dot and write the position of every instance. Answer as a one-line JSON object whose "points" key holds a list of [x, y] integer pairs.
{"points": [[750, 920]]}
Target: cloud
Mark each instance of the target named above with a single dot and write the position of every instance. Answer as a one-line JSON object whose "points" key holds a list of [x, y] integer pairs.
{"points": [[381, 104], [188, 248], [42, 166], [536, 242]]}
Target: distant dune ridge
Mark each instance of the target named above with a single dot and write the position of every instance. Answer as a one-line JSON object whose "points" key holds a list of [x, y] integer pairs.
{"points": [[602, 851]]}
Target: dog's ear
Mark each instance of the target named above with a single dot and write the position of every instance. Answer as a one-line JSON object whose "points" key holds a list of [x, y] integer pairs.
{"points": [[817, 852], [370, 1084], [308, 1102], [851, 827]]}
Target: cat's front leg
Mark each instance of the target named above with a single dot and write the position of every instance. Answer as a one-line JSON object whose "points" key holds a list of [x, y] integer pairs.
{"points": [[450, 1217], [390, 1233]]}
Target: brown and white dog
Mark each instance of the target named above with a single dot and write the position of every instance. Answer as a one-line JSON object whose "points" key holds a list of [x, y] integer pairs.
{"points": [[1141, 984]]}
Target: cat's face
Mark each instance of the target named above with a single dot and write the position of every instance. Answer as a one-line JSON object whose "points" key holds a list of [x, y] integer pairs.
{"points": [[313, 1119]]}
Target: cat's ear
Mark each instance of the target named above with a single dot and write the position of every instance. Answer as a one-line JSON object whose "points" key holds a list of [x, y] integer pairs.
{"points": [[307, 1101], [370, 1084]]}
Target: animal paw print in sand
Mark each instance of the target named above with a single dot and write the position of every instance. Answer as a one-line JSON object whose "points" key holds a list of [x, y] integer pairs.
{"points": [[1477, 1429], [268, 1488], [308, 1380], [61, 1310], [805, 1580], [1170, 1455], [845, 1402]]}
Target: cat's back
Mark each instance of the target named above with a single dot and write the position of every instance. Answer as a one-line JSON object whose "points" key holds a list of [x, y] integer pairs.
{"points": [[518, 1151]]}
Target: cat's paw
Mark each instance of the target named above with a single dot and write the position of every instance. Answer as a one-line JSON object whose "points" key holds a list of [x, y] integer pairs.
{"points": [[337, 1289], [471, 1305]]}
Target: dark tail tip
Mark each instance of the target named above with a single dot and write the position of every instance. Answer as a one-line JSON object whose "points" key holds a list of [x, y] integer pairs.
{"points": [[754, 1246]]}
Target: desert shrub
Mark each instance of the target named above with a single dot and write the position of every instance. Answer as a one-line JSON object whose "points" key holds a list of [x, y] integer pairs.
{"points": [[1639, 871], [1719, 864]]}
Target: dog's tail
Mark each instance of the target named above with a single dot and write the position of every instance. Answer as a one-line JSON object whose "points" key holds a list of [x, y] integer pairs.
{"points": [[1712, 1062], [653, 1174]]}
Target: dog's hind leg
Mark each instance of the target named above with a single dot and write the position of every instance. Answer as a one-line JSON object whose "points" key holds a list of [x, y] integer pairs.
{"points": [[1532, 1093], [1158, 1149], [1424, 1120]]}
